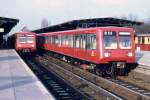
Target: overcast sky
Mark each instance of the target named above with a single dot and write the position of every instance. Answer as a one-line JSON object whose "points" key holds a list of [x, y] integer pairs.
{"points": [[31, 12]]}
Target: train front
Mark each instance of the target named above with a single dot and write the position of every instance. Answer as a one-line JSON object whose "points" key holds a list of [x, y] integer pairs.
{"points": [[118, 49], [26, 42]]}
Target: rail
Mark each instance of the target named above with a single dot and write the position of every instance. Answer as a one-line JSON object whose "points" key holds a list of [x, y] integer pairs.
{"points": [[122, 89]]}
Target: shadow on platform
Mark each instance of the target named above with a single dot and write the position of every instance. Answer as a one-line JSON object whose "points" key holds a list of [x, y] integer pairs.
{"points": [[15, 82], [7, 58]]}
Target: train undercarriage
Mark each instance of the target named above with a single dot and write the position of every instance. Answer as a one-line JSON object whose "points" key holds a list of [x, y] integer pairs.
{"points": [[112, 69]]}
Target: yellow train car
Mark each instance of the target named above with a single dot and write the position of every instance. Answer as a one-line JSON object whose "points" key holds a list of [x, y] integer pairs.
{"points": [[142, 41]]}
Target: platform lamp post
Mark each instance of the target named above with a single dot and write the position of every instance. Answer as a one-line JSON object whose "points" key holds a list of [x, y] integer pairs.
{"points": [[1, 36]]}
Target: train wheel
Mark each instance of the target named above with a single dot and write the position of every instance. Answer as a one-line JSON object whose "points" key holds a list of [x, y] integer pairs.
{"points": [[98, 71], [72, 61], [121, 71], [77, 63], [111, 70]]}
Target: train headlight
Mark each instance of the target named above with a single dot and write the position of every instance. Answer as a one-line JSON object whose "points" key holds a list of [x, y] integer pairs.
{"points": [[106, 54], [19, 45], [130, 54], [32, 45]]}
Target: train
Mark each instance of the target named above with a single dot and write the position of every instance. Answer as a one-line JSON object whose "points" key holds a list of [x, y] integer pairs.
{"points": [[142, 42], [104, 50], [23, 41]]}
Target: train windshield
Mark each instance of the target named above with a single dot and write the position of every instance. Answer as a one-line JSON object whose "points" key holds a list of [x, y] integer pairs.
{"points": [[110, 41], [22, 39], [26, 39], [30, 39], [125, 40]]}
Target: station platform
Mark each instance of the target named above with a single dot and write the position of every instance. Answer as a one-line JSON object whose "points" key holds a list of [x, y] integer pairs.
{"points": [[143, 57], [17, 82]]}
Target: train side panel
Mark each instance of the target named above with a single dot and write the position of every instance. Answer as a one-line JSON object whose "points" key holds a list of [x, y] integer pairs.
{"points": [[142, 42], [93, 50]]}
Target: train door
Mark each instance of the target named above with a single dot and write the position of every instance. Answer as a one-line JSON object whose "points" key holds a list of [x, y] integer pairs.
{"points": [[54, 41], [80, 46], [77, 46], [91, 46], [49, 42], [69, 44], [46, 42]]}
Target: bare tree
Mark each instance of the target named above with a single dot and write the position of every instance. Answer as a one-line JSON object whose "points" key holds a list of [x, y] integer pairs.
{"points": [[147, 21], [144, 28], [25, 29], [44, 23], [124, 17], [130, 17]]}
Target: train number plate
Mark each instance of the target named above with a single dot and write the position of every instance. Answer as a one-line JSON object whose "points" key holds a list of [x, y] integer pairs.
{"points": [[121, 64]]}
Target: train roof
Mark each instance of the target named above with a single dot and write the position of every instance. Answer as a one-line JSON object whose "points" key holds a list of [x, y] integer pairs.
{"points": [[86, 23], [86, 29], [143, 34]]}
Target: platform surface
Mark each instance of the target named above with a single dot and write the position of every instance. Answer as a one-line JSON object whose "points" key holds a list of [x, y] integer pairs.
{"points": [[17, 82], [143, 57]]}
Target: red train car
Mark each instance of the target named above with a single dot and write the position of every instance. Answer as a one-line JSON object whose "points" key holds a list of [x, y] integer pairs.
{"points": [[106, 49], [25, 41]]}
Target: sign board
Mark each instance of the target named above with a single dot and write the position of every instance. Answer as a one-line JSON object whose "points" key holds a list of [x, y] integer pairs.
{"points": [[1, 29]]}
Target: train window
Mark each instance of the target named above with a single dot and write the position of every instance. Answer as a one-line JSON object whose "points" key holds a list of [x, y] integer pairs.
{"points": [[54, 39], [59, 40], [70, 40], [22, 39], [49, 39], [80, 41], [110, 41], [91, 41], [148, 40], [46, 39], [143, 41], [67, 41], [83, 41], [77, 41], [124, 40], [63, 40], [30, 39], [139, 40]]}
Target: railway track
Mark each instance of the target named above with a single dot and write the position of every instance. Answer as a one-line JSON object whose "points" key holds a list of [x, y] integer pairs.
{"points": [[115, 86], [78, 82], [138, 76], [59, 89]]}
